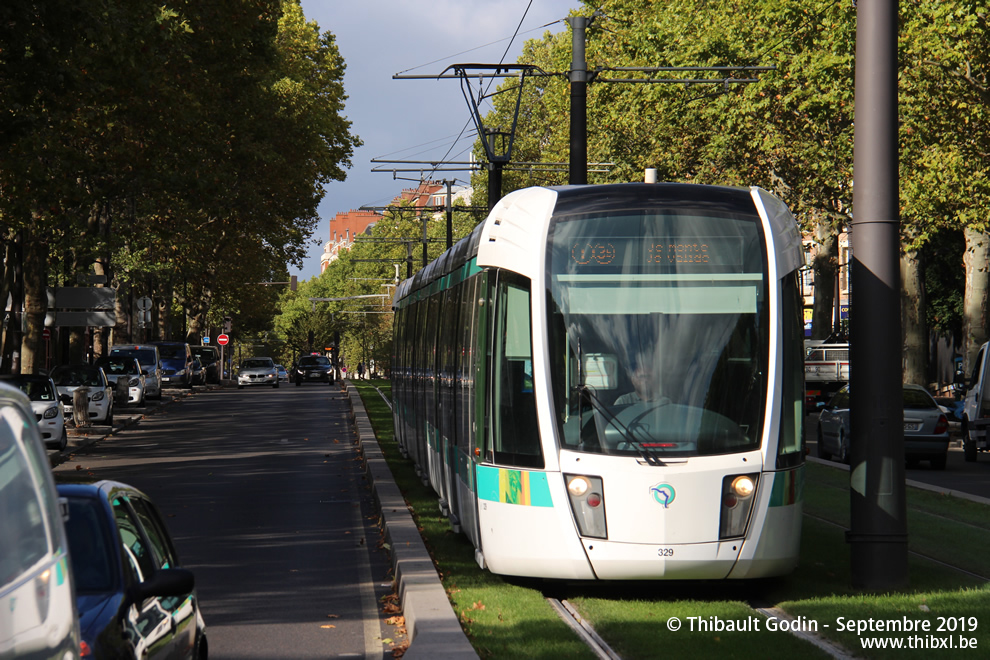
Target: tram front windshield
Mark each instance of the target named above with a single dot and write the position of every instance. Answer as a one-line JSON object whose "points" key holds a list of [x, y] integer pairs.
{"points": [[658, 332]]}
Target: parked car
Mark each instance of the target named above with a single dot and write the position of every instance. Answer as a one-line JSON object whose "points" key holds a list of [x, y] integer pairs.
{"points": [[198, 372], [135, 600], [313, 369], [177, 363], [127, 369], [926, 428], [38, 616], [283, 375], [257, 371], [68, 379], [210, 357], [45, 403], [151, 366]]}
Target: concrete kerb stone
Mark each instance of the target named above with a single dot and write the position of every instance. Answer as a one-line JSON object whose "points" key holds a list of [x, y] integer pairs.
{"points": [[433, 627]]}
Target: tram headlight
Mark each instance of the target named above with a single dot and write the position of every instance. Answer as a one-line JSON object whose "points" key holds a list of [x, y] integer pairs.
{"points": [[738, 496], [587, 497]]}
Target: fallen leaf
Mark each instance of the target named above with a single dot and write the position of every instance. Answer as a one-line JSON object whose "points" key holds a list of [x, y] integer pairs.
{"points": [[328, 625]]}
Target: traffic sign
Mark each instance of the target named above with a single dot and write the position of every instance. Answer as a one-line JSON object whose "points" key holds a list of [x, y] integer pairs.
{"points": [[206, 340], [223, 339]]}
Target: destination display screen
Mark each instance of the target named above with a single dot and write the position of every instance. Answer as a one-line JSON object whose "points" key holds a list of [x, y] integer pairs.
{"points": [[636, 251]]}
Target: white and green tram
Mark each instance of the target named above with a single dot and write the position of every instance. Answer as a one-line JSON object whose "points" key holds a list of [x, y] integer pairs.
{"points": [[606, 382]]}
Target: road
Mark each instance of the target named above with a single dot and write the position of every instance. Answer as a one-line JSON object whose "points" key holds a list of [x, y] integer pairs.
{"points": [[265, 495], [958, 475]]}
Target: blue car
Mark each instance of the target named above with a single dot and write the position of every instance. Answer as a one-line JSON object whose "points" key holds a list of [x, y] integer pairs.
{"points": [[134, 599]]}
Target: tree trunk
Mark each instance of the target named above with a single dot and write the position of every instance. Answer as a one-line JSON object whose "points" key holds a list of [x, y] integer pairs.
{"points": [[10, 360], [35, 300], [824, 266], [914, 325], [975, 307]]}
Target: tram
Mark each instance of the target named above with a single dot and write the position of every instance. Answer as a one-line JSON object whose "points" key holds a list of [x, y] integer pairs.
{"points": [[606, 383]]}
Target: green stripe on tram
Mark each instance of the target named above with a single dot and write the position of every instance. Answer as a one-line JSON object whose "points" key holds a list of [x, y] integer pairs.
{"points": [[788, 487]]}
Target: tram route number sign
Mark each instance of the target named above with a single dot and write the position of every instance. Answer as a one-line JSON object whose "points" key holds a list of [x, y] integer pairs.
{"points": [[635, 251]]}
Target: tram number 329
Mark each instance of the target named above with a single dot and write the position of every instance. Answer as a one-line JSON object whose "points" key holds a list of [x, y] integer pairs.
{"points": [[665, 552]]}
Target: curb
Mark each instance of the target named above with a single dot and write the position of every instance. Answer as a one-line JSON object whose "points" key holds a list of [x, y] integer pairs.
{"points": [[434, 630]]}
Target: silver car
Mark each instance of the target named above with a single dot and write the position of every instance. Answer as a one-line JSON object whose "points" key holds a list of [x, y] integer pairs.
{"points": [[257, 371], [926, 428]]}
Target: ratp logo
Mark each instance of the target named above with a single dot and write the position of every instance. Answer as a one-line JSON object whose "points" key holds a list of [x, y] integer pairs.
{"points": [[664, 494]]}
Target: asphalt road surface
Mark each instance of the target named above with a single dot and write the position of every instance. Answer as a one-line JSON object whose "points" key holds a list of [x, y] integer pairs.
{"points": [[958, 475], [266, 499]]}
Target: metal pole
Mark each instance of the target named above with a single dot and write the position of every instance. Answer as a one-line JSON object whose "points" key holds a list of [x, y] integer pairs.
{"points": [[579, 102], [878, 521], [426, 243], [449, 207], [494, 184]]}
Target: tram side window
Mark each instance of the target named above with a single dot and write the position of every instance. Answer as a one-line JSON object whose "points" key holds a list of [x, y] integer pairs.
{"points": [[515, 439]]}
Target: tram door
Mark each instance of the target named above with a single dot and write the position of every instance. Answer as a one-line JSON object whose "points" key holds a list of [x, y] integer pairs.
{"points": [[471, 377], [446, 403]]}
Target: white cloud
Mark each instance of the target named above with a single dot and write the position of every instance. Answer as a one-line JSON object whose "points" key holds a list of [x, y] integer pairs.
{"points": [[379, 38]]}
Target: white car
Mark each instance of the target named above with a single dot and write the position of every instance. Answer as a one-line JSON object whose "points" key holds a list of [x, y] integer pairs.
{"points": [[128, 369], [151, 365], [257, 371], [38, 615], [68, 379], [46, 406]]}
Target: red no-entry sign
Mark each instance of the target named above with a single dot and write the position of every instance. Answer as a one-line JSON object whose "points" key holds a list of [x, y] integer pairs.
{"points": [[223, 339]]}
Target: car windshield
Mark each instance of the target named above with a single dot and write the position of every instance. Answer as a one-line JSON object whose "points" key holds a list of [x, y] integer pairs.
{"points": [[76, 376], [917, 400], [145, 356], [36, 389], [314, 361], [118, 366], [258, 363], [172, 352], [206, 357]]}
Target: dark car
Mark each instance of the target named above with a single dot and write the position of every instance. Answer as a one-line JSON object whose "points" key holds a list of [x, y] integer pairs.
{"points": [[177, 363], [134, 599], [313, 369], [209, 356]]}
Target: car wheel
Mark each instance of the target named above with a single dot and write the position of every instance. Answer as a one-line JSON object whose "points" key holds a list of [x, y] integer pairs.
{"points": [[822, 452], [969, 445], [63, 442]]}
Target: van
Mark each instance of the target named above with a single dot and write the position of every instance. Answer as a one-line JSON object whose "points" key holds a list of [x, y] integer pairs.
{"points": [[151, 365], [976, 407], [177, 363], [38, 615]]}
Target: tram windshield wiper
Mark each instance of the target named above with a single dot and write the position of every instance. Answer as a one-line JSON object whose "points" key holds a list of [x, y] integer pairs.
{"points": [[650, 456]]}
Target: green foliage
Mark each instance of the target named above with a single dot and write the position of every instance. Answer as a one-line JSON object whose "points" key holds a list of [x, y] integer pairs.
{"points": [[184, 147]]}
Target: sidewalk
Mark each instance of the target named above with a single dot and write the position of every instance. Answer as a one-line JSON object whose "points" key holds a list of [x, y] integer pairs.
{"points": [[432, 625]]}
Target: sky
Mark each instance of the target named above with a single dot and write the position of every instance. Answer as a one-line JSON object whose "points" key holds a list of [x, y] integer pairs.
{"points": [[414, 119]]}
